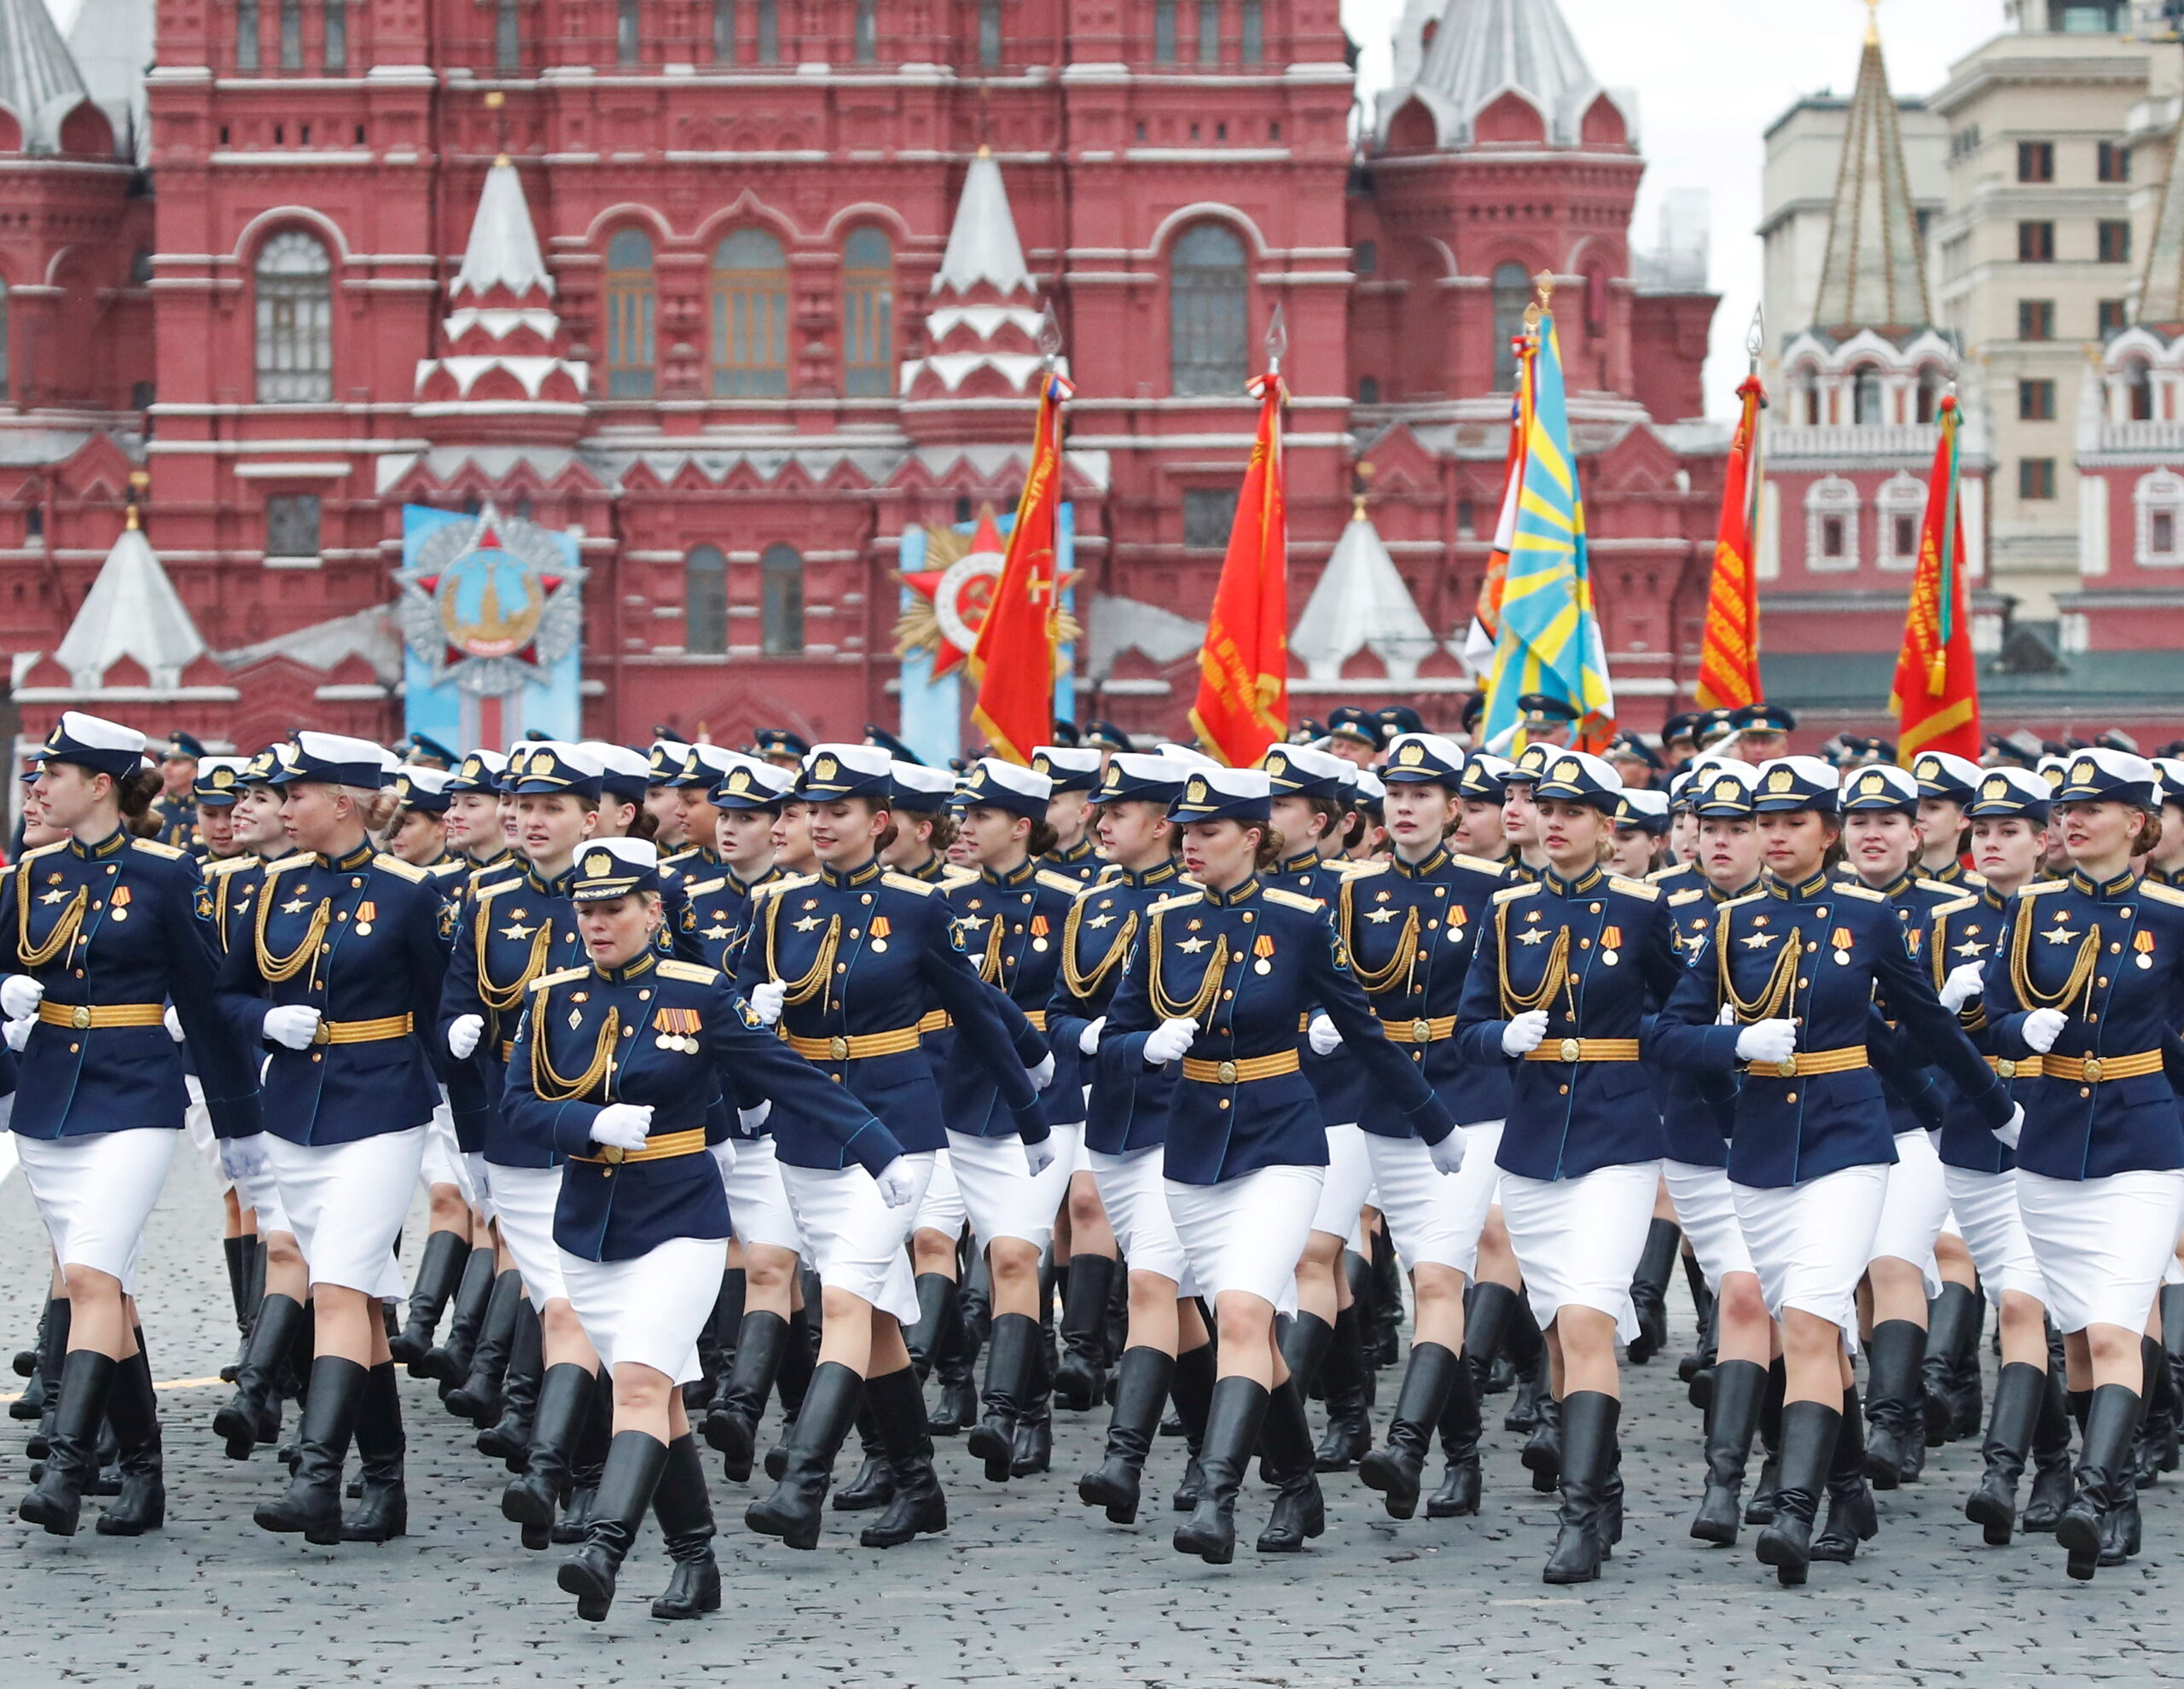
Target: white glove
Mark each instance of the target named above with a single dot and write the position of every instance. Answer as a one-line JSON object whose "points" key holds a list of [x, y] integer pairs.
{"points": [[1449, 1154], [1088, 1041], [623, 1125], [2008, 1130], [244, 1159], [765, 1001], [463, 1033], [173, 1022], [1040, 1156], [18, 1033], [1766, 1040], [1322, 1036], [19, 995], [1169, 1040], [292, 1024], [754, 1118], [1043, 1075], [2042, 1027], [1523, 1034], [1727, 1017], [897, 1188], [1962, 985]]}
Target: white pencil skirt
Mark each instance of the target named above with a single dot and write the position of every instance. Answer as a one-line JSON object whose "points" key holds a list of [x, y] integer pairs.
{"points": [[647, 1312], [1578, 1241], [1916, 1208], [1810, 1243], [260, 1192], [758, 1207], [524, 1199], [942, 1210], [1349, 1178], [1989, 1221], [443, 1158], [2102, 1244], [999, 1195], [1428, 1211], [1247, 1234], [856, 1242], [345, 1205], [197, 1121], [1707, 1211], [1135, 1197], [93, 1193]]}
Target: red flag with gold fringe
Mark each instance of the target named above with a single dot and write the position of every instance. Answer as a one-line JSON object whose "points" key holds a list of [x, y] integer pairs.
{"points": [[1243, 687], [1728, 656], [1013, 660], [1936, 691]]}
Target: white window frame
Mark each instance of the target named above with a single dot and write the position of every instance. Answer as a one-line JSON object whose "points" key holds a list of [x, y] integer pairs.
{"points": [[1831, 496], [2160, 490]]}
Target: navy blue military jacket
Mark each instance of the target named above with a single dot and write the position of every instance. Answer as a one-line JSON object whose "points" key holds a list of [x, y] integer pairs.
{"points": [[1411, 929], [1694, 1124], [671, 1034], [867, 956], [1080, 862], [508, 931], [1965, 930], [1819, 954], [125, 923], [1589, 951], [1345, 1094], [1129, 1102], [357, 939], [2112, 958], [1914, 902], [716, 913], [1248, 965], [1010, 924]]}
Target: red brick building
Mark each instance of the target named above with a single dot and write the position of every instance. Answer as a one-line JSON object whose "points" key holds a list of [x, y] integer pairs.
{"points": [[745, 304]]}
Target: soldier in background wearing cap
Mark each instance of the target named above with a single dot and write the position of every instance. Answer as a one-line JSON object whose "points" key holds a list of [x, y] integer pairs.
{"points": [[1641, 833], [924, 828], [1679, 740], [1946, 786], [1074, 771], [780, 748], [1634, 759], [1762, 730], [175, 809], [418, 832], [2165, 857], [1354, 736], [422, 751]]}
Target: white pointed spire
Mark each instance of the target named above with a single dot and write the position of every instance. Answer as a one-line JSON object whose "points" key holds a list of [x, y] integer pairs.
{"points": [[1874, 274], [1360, 602], [39, 82], [503, 250], [982, 245], [133, 611]]}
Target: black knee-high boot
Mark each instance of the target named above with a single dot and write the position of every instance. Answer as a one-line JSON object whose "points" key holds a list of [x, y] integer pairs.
{"points": [[2052, 1482], [477, 1396], [1141, 1392], [1739, 1388], [258, 1380], [1952, 1326], [589, 1461], [237, 1252], [634, 1462], [1305, 1346], [2155, 1449], [1851, 1516], [1649, 1289], [936, 1310], [1589, 1464], [916, 1505], [1760, 1510], [132, 1409], [954, 1363], [31, 1363], [72, 1446], [716, 1341], [1893, 1357], [2112, 1419], [439, 1269], [1542, 1454], [1395, 1469], [313, 1503], [1081, 1379], [1527, 1351], [450, 1361], [874, 1486], [383, 1512], [1011, 1377], [761, 1344], [2019, 1389], [1191, 1389], [510, 1435], [52, 1357], [1701, 1359], [1357, 1272], [532, 1498], [1286, 1458], [1458, 1496], [793, 1376], [1344, 1377], [1387, 1298], [792, 1512], [1237, 1409], [685, 1512], [1811, 1432]]}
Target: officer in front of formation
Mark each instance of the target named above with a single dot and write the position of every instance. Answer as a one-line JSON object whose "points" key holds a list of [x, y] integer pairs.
{"points": [[175, 808]]}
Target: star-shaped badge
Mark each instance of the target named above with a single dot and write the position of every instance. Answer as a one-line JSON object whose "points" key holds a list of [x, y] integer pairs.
{"points": [[2059, 935], [1382, 917], [1537, 935], [518, 931], [1759, 941], [716, 932], [807, 923], [1970, 947], [1099, 921], [55, 897], [297, 907], [1191, 946]]}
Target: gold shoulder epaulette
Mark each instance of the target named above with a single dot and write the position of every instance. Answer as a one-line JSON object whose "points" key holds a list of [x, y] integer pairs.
{"points": [[495, 889], [906, 882], [1671, 872], [152, 847], [1511, 893], [1053, 880], [704, 886], [562, 977], [1941, 885], [1364, 870], [956, 874], [281, 864], [395, 865], [1175, 901], [227, 865], [1748, 898], [2161, 894], [1295, 900], [787, 882], [693, 973], [1481, 865], [1851, 889], [1678, 899], [1635, 888], [1957, 905]]}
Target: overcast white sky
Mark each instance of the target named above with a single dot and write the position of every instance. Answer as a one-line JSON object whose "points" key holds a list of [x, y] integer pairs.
{"points": [[1711, 75]]}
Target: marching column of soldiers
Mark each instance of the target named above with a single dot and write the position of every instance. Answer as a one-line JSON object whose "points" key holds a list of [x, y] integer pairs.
{"points": [[927, 1102]]}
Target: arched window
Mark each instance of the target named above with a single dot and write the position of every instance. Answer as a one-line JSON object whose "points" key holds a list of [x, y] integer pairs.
{"points": [[750, 316], [866, 46], [1932, 383], [989, 34], [2138, 388], [295, 320], [628, 314], [1865, 397], [4, 339], [1207, 312], [781, 617], [1513, 291], [705, 603], [867, 315]]}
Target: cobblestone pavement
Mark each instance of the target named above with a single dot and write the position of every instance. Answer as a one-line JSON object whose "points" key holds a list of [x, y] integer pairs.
{"points": [[1027, 1587]]}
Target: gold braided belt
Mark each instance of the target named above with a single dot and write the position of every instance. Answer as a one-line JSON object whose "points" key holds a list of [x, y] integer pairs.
{"points": [[1037, 1018], [1844, 1060], [2092, 1070], [936, 1021], [1586, 1049], [1239, 1072], [362, 1031], [857, 1046], [665, 1147], [80, 1016], [1426, 1029], [2019, 1067]]}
